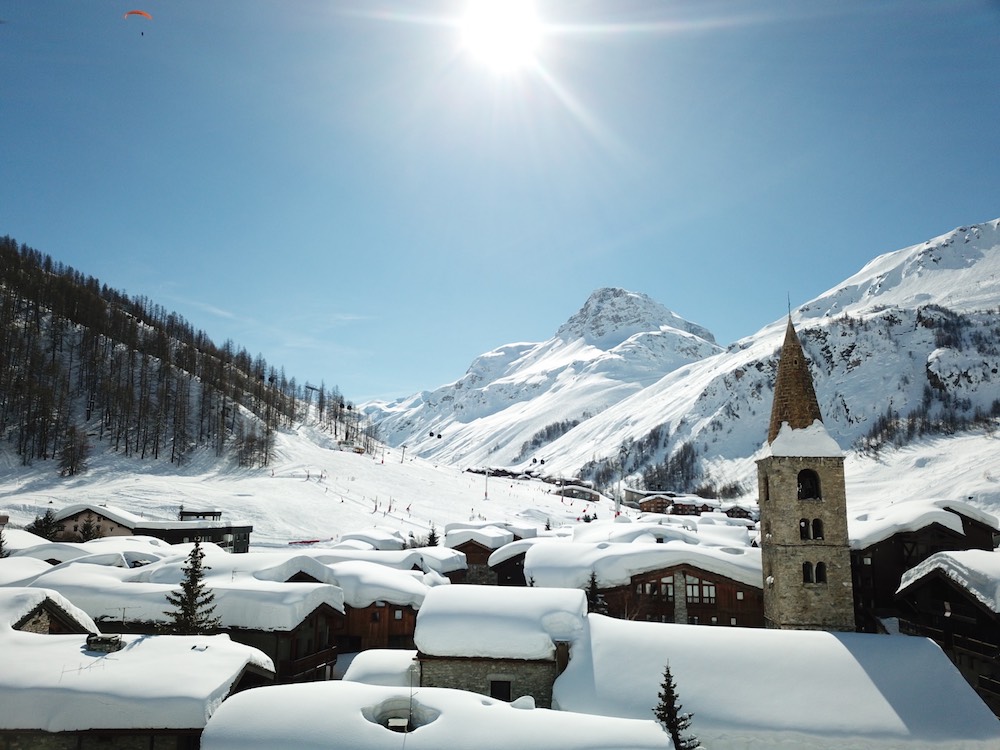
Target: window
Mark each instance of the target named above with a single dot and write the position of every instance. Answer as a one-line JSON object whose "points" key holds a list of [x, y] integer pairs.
{"points": [[693, 590], [667, 588], [803, 528], [820, 572], [807, 572], [374, 616], [500, 689], [739, 596], [808, 485], [398, 614], [817, 528], [708, 592], [732, 621]]}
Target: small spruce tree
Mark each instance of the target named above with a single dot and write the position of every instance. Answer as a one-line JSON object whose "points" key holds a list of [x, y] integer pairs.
{"points": [[432, 537], [595, 599], [45, 526], [4, 552], [193, 607], [89, 529], [669, 713]]}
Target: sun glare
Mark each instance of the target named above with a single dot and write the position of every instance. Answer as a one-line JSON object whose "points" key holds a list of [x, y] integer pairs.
{"points": [[502, 34]]}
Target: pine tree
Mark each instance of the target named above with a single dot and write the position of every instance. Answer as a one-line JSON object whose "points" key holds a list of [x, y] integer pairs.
{"points": [[46, 527], [432, 537], [89, 529], [4, 552], [669, 713], [595, 599], [193, 607]]}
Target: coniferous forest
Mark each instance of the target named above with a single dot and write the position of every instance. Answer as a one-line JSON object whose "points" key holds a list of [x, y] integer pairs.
{"points": [[83, 365]]}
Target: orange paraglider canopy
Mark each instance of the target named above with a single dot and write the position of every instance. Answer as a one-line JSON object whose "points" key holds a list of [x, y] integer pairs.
{"points": [[142, 13]]}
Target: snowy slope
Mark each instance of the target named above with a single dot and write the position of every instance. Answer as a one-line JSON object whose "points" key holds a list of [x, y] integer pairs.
{"points": [[617, 344]]}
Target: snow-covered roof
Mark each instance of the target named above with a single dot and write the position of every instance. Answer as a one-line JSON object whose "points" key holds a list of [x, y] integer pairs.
{"points": [[312, 715], [364, 583], [16, 602], [975, 570], [759, 688], [877, 524], [569, 565], [518, 529], [394, 667], [492, 537], [56, 684], [813, 441], [131, 520], [515, 548], [503, 622], [379, 538], [246, 596], [17, 569], [441, 560]]}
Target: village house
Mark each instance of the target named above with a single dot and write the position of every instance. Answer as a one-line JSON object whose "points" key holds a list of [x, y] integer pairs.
{"points": [[502, 642], [954, 599], [477, 544], [64, 685], [889, 541], [674, 581], [78, 521]]}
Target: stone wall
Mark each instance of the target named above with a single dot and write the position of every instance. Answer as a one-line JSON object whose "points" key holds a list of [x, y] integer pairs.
{"points": [[534, 678]]}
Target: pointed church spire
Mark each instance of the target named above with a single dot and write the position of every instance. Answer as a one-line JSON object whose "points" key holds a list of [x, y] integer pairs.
{"points": [[794, 395]]}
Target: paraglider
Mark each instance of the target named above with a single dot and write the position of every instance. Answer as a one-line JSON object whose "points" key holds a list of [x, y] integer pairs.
{"points": [[141, 14]]}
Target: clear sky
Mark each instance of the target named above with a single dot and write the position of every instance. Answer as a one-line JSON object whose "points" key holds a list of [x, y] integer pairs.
{"points": [[350, 189]]}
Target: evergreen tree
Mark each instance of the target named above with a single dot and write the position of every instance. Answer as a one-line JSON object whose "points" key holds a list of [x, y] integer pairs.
{"points": [[46, 527], [4, 552], [89, 530], [669, 713], [192, 613], [74, 453], [595, 599], [432, 537]]}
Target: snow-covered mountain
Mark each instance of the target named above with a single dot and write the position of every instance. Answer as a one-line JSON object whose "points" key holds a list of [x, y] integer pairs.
{"points": [[518, 397], [907, 345]]}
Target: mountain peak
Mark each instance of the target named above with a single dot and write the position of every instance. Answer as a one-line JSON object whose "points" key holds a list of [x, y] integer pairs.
{"points": [[611, 315]]}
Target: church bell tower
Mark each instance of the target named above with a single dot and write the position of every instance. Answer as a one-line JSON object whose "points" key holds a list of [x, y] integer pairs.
{"points": [[805, 551]]}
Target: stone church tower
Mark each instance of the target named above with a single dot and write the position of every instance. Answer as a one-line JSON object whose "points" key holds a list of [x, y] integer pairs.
{"points": [[805, 552]]}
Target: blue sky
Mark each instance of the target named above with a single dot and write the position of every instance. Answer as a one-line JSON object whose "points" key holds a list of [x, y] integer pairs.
{"points": [[341, 187]]}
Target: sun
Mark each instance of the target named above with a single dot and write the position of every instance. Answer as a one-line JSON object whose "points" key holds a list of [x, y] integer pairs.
{"points": [[504, 35]]}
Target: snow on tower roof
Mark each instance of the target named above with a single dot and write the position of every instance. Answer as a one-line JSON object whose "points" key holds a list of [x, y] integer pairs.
{"points": [[811, 441], [503, 622]]}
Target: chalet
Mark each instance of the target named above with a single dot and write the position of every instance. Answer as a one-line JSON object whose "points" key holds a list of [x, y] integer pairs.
{"points": [[580, 492], [80, 521], [670, 582], [888, 541], [72, 687], [502, 642], [477, 544], [952, 597], [657, 503]]}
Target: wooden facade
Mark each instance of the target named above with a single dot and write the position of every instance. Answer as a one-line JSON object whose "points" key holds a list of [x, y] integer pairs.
{"points": [[477, 558], [686, 594], [379, 625]]}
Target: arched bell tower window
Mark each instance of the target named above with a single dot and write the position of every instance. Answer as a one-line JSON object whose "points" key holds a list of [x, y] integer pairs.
{"points": [[803, 528], [820, 572], [807, 572], [817, 528], [808, 483]]}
